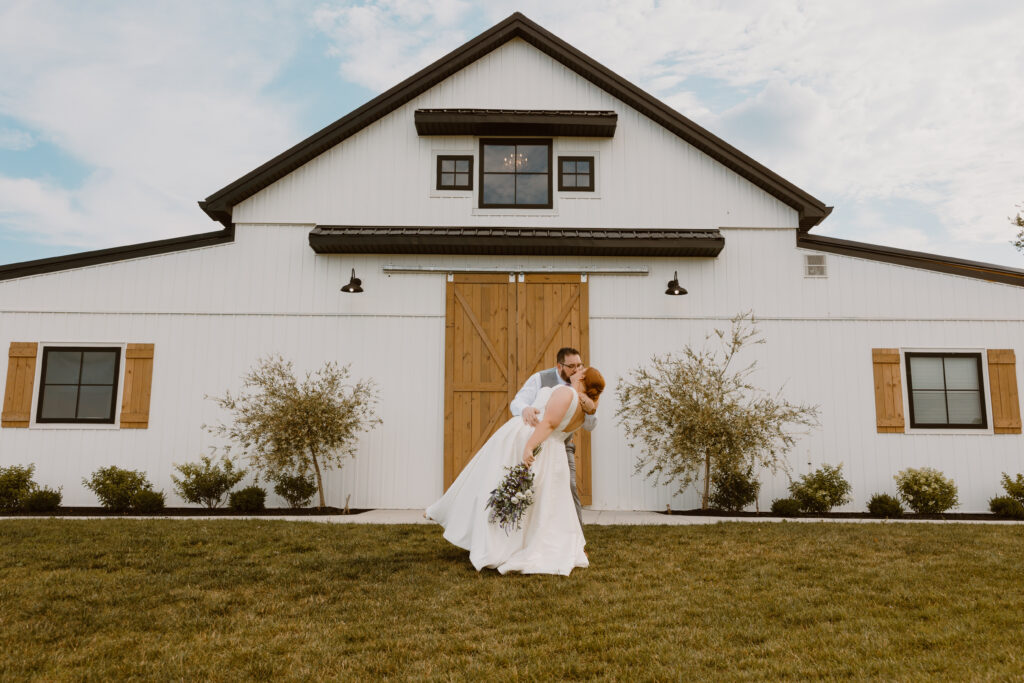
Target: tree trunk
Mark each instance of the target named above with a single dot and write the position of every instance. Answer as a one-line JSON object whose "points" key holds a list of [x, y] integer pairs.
{"points": [[707, 480], [319, 480]]}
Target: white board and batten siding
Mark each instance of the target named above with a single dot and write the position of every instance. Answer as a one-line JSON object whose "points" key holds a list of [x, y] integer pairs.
{"points": [[269, 293], [646, 176]]}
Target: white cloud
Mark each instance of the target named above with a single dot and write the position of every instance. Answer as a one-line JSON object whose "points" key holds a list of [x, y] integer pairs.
{"points": [[164, 103]]}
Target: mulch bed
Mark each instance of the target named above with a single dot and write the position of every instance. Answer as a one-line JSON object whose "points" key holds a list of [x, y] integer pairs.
{"points": [[952, 516], [184, 512]]}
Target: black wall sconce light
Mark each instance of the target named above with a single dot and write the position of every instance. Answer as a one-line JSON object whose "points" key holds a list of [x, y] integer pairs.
{"points": [[354, 285], [673, 286]]}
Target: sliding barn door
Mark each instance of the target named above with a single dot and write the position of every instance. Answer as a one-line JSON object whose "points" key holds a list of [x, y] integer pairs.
{"points": [[498, 333]]}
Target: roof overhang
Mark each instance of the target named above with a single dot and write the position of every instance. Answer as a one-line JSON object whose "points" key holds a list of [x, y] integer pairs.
{"points": [[810, 210], [349, 239], [584, 124]]}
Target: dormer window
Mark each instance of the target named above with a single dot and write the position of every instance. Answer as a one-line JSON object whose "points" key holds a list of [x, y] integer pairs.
{"points": [[454, 172], [515, 174]]}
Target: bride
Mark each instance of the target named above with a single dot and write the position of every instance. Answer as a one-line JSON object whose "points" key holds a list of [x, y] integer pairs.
{"points": [[550, 539]]}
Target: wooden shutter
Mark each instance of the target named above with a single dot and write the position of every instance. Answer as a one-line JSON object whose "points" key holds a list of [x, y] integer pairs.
{"points": [[138, 381], [21, 375], [888, 391], [1002, 377]]}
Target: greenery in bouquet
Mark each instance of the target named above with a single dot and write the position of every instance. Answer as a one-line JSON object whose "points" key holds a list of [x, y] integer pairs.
{"points": [[508, 502]]}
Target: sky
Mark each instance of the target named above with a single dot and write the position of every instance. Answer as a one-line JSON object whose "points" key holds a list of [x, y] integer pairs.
{"points": [[116, 117]]}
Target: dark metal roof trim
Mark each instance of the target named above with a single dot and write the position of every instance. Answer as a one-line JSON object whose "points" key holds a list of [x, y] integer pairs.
{"points": [[219, 204], [125, 253], [913, 259], [592, 124], [337, 239]]}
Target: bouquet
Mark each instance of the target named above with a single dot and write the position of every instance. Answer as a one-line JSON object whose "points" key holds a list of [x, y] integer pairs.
{"points": [[514, 494]]}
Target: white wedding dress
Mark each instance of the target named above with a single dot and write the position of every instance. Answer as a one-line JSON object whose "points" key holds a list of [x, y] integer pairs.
{"points": [[550, 540]]}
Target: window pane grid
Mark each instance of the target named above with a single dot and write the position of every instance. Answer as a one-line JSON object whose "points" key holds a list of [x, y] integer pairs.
{"points": [[78, 385], [454, 173], [945, 390], [515, 174], [575, 174]]}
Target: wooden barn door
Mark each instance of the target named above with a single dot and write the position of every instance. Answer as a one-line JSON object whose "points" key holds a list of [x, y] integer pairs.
{"points": [[480, 376], [552, 312], [499, 332]]}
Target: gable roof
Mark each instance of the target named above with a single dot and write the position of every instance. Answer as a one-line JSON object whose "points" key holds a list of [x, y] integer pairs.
{"points": [[219, 204]]}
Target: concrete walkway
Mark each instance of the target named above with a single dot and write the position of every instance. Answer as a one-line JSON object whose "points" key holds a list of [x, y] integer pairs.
{"points": [[590, 517]]}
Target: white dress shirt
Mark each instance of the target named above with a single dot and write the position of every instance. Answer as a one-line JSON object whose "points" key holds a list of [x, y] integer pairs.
{"points": [[528, 394]]}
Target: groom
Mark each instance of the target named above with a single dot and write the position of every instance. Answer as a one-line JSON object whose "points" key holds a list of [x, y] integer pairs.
{"points": [[568, 363]]}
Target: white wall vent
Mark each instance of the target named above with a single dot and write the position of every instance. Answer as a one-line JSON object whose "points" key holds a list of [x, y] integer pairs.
{"points": [[815, 266]]}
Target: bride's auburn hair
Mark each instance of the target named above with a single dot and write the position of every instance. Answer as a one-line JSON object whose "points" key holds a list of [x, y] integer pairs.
{"points": [[593, 383]]}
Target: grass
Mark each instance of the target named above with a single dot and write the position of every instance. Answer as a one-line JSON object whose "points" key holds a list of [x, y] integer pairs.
{"points": [[237, 600]]}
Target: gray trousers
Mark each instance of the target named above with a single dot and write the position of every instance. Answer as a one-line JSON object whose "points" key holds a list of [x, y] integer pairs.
{"points": [[570, 452]]}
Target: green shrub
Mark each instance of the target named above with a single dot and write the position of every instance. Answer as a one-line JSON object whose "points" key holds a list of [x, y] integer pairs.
{"points": [[207, 482], [249, 499], [926, 490], [785, 507], [148, 501], [733, 489], [43, 499], [821, 490], [884, 505], [15, 484], [295, 489], [1006, 507], [1014, 487], [116, 487]]}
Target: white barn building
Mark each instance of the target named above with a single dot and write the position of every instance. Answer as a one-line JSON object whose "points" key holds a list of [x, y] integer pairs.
{"points": [[511, 198]]}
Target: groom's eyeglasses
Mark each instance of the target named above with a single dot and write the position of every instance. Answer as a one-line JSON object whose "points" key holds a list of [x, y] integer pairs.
{"points": [[573, 368]]}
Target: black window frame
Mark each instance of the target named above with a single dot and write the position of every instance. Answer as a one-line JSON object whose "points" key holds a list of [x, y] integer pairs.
{"points": [[914, 424], [577, 188], [516, 141], [40, 419], [455, 157]]}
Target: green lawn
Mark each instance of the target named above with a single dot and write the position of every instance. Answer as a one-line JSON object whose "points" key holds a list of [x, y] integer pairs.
{"points": [[237, 600]]}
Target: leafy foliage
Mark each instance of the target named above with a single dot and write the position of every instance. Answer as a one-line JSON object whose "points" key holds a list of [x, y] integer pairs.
{"points": [[1006, 507], [148, 500], [15, 485], [821, 490], [1018, 222], [116, 488], [249, 499], [296, 489], [785, 507], [693, 413], [286, 426], [884, 505], [926, 490], [207, 482], [733, 489], [43, 499], [1014, 487]]}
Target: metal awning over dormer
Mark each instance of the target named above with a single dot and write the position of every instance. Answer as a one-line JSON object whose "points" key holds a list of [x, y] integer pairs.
{"points": [[547, 122], [350, 239]]}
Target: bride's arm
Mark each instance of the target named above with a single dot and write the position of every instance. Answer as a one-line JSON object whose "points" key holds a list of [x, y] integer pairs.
{"points": [[553, 414]]}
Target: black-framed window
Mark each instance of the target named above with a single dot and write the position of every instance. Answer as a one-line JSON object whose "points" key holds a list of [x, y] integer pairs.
{"points": [[515, 174], [454, 172], [78, 384], [946, 390], [575, 174]]}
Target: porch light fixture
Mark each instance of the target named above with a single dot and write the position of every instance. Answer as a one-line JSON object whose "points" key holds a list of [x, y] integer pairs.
{"points": [[673, 286], [354, 285]]}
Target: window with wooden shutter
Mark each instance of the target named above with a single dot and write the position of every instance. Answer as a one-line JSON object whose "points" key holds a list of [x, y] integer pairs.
{"points": [[1002, 377], [888, 391], [138, 383], [21, 375]]}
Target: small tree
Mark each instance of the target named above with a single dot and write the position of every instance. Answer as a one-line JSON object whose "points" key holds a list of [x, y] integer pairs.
{"points": [[693, 413], [291, 427], [1018, 222]]}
